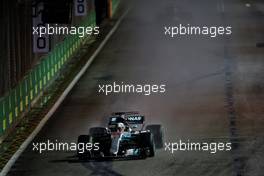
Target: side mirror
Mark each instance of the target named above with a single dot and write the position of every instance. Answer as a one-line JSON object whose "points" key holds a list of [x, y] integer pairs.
{"points": [[134, 126]]}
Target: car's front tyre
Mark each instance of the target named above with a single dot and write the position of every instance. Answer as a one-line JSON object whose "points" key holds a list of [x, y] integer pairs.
{"points": [[83, 154], [158, 133], [148, 146]]}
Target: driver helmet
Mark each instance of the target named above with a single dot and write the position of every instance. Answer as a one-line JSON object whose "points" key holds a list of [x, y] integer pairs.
{"points": [[121, 126]]}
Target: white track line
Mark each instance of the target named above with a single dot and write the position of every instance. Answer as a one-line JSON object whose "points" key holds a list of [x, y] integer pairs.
{"points": [[223, 6], [24, 145], [220, 6]]}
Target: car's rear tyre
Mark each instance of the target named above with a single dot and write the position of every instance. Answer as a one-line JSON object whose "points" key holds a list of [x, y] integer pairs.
{"points": [[83, 154], [157, 131]]}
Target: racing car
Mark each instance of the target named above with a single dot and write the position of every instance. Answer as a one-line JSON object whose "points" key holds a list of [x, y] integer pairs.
{"points": [[125, 136]]}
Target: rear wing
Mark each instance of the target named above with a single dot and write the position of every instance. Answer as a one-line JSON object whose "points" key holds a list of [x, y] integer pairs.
{"points": [[125, 113], [126, 117], [135, 119]]}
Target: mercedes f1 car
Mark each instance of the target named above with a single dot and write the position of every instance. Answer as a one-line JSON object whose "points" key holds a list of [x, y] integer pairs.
{"points": [[125, 136]]}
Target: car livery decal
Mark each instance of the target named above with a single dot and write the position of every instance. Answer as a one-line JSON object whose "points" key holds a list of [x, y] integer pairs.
{"points": [[135, 119]]}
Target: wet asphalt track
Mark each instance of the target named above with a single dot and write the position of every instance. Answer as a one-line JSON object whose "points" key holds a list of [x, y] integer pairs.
{"points": [[214, 92]]}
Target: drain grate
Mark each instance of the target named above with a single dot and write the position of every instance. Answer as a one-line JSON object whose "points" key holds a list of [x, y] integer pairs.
{"points": [[260, 45]]}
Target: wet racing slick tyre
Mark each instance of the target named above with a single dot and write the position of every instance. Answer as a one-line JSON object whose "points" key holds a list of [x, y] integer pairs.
{"points": [[83, 154], [157, 131]]}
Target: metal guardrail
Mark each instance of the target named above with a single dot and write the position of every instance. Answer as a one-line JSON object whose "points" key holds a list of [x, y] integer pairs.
{"points": [[19, 99], [115, 4]]}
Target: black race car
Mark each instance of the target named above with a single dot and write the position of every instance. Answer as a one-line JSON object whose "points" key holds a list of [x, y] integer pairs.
{"points": [[125, 136]]}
